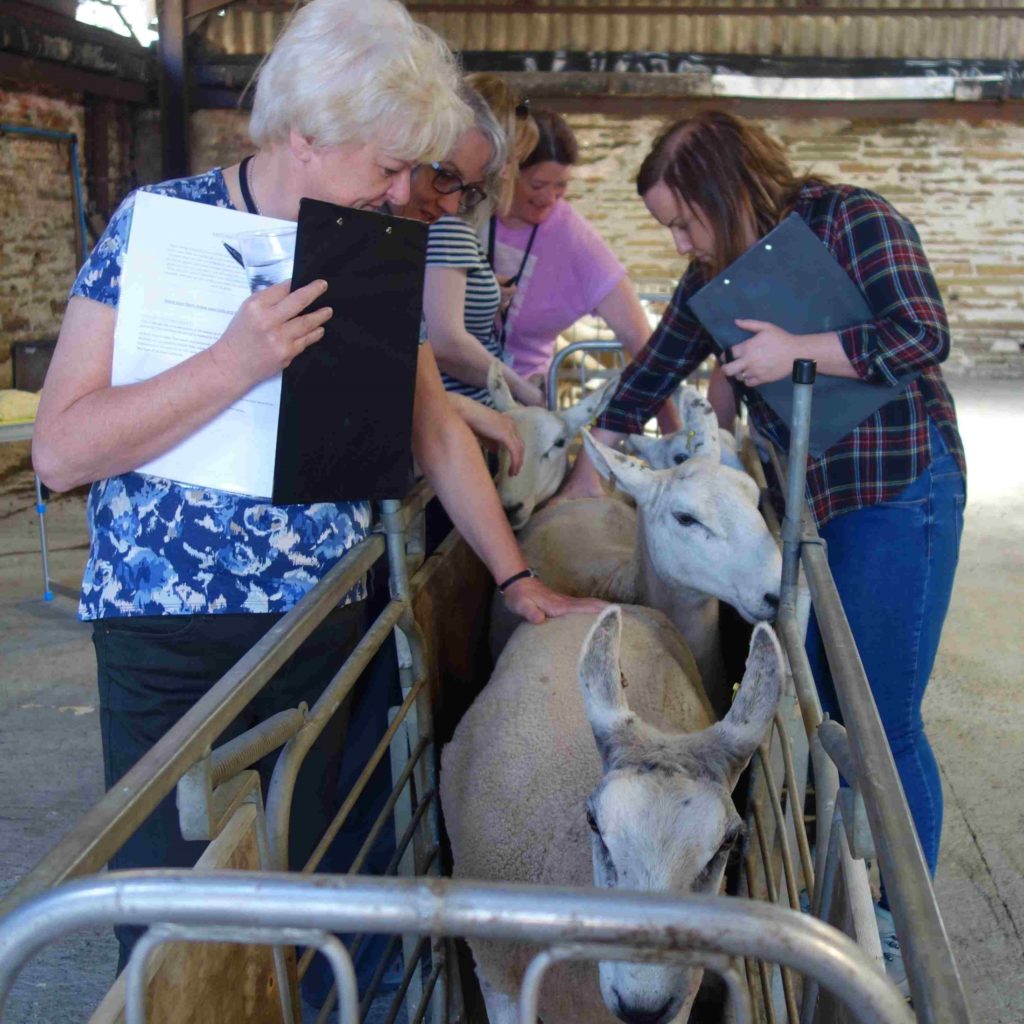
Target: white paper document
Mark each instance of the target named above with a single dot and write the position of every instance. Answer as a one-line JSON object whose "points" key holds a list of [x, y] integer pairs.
{"points": [[180, 287]]}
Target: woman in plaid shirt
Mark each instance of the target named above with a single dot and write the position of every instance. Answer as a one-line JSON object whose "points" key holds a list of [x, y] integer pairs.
{"points": [[889, 497]]}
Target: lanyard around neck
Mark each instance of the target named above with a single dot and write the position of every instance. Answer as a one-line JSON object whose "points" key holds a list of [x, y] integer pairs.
{"points": [[243, 185], [492, 233]]}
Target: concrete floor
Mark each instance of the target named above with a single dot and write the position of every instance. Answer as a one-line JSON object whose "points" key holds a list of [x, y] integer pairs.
{"points": [[49, 730]]}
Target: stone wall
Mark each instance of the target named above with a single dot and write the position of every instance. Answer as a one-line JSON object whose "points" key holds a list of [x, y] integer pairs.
{"points": [[961, 183], [40, 250]]}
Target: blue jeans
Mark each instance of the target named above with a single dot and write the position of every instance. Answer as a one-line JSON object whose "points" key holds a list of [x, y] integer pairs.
{"points": [[893, 565]]}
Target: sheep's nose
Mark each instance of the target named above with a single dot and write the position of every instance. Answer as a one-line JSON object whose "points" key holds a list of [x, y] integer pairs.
{"points": [[511, 510], [637, 1015], [772, 600]]}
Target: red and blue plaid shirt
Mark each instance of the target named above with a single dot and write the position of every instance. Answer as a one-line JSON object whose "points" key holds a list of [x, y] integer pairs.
{"points": [[881, 251]]}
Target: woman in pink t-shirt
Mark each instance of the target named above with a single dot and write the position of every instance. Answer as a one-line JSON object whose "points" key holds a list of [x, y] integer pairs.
{"points": [[555, 266]]}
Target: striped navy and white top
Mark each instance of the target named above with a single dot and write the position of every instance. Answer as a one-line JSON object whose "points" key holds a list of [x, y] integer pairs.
{"points": [[453, 243]]}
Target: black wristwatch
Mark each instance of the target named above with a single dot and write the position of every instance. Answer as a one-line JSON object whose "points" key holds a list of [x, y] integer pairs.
{"points": [[526, 574]]}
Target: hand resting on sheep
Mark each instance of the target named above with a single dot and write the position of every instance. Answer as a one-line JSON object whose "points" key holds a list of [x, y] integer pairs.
{"points": [[695, 537]]}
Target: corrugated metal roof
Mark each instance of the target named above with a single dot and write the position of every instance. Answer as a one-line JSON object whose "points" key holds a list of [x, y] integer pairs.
{"points": [[248, 29]]}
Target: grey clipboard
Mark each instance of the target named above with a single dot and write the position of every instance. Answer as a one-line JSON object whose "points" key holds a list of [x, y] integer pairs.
{"points": [[789, 278]]}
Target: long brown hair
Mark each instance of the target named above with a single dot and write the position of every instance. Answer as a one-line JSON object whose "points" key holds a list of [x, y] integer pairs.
{"points": [[732, 170]]}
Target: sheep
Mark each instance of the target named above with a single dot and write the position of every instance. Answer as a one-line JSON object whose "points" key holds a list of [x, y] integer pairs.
{"points": [[700, 435], [695, 537], [637, 759], [546, 436]]}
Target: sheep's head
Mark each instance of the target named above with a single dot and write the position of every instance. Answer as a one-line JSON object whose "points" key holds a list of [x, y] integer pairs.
{"points": [[699, 434], [662, 817], [546, 437], [701, 529]]}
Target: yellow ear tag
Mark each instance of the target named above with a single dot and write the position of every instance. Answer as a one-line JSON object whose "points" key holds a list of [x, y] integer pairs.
{"points": [[735, 690]]}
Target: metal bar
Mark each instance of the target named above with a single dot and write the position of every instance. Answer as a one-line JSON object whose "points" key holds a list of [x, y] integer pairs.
{"points": [[796, 466], [428, 990], [734, 926], [378, 974], [935, 982], [780, 828], [41, 516], [795, 805], [386, 810], [821, 906], [773, 895], [360, 784], [560, 357], [412, 965], [104, 828], [245, 750], [289, 764]]}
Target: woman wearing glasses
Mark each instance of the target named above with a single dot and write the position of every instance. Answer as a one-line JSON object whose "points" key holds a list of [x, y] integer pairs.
{"points": [[461, 295]]}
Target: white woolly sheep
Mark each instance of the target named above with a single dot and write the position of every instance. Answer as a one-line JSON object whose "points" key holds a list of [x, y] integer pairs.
{"points": [[546, 437], [635, 756], [695, 537]]}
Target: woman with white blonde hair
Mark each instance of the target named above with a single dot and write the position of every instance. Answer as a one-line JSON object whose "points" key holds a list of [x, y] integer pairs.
{"points": [[181, 582]]}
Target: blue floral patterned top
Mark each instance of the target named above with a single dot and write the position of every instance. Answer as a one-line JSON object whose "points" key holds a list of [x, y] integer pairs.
{"points": [[161, 548]]}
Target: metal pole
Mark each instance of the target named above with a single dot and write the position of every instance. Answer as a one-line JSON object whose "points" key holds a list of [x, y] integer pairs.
{"points": [[647, 922], [72, 138], [560, 357], [104, 828], [804, 371], [41, 514]]}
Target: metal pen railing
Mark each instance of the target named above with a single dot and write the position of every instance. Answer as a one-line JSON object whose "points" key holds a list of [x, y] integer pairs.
{"points": [[213, 783], [575, 923], [766, 981]]}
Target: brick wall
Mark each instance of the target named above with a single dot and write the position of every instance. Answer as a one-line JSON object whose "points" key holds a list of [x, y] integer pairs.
{"points": [[962, 184], [40, 250]]}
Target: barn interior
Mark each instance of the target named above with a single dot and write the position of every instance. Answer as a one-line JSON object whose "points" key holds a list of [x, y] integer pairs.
{"points": [[920, 101]]}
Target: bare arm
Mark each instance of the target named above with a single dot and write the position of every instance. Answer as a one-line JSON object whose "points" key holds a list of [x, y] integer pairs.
{"points": [[458, 353], [445, 449], [87, 429], [493, 428], [622, 311]]}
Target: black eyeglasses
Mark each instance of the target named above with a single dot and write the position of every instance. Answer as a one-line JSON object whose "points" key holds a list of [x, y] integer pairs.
{"points": [[448, 183], [523, 109]]}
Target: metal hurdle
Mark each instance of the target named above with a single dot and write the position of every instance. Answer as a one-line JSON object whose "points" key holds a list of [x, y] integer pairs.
{"points": [[778, 964]]}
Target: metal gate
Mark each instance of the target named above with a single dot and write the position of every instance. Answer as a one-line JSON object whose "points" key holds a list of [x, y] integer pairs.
{"points": [[778, 963]]}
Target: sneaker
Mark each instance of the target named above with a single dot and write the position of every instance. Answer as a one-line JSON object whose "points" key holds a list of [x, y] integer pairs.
{"points": [[895, 969]]}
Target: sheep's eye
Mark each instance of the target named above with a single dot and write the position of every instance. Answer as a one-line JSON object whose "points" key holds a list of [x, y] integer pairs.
{"points": [[685, 519], [678, 459], [592, 822], [560, 443]]}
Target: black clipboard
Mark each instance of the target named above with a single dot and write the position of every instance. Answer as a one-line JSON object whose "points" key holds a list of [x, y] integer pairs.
{"points": [[790, 278], [345, 426]]}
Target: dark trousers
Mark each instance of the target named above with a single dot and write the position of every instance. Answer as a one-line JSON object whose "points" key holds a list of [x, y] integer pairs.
{"points": [[151, 670]]}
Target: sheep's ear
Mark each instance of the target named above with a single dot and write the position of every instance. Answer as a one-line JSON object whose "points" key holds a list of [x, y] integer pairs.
{"points": [[593, 405], [646, 447], [630, 474], [700, 424], [602, 684], [727, 746], [498, 388]]}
